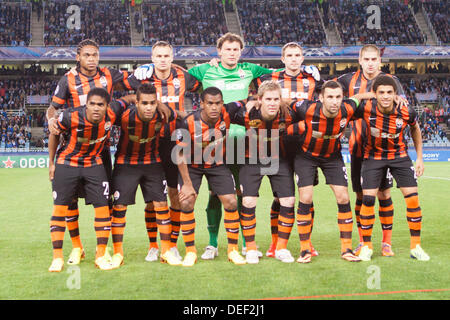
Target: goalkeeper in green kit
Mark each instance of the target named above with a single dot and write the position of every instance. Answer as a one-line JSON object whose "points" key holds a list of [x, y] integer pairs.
{"points": [[233, 79]]}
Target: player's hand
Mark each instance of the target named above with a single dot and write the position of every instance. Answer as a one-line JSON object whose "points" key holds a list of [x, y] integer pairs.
{"points": [[51, 171], [214, 62], [401, 101], [311, 70], [144, 72], [53, 127], [163, 110], [285, 108], [252, 104], [420, 168], [186, 191]]}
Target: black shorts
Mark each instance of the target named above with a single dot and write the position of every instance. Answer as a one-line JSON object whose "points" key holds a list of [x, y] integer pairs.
{"points": [[282, 182], [355, 172], [170, 168], [93, 179], [220, 179], [333, 168], [126, 179], [107, 165], [402, 169]]}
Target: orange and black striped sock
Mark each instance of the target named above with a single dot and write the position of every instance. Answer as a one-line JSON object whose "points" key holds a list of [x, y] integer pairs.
{"points": [[274, 213], [414, 218], [175, 222], [304, 225], [345, 223], [152, 227], [164, 226], [187, 223], [312, 215], [285, 223], [118, 222], [231, 222], [72, 224], [367, 218], [386, 213], [358, 204], [102, 226], [57, 229], [248, 223]]}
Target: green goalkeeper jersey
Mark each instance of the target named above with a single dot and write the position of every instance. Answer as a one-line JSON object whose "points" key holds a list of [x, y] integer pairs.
{"points": [[233, 83]]}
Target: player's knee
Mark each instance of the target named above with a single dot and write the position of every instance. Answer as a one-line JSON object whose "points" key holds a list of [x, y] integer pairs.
{"points": [[187, 205], [160, 204], [306, 197], [249, 202], [229, 203], [287, 202], [149, 206], [173, 196], [384, 194], [368, 200]]}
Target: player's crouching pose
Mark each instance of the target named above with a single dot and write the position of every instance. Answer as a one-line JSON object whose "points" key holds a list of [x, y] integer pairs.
{"points": [[137, 162], [386, 149], [87, 128]]}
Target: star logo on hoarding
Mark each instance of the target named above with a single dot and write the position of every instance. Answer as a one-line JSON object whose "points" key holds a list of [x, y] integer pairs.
{"points": [[9, 163]]}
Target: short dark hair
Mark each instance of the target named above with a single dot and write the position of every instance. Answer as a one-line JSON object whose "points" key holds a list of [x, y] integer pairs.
{"points": [[145, 88], [384, 80], [101, 92], [213, 91], [330, 84]]}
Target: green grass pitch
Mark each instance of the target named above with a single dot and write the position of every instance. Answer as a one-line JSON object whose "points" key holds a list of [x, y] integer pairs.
{"points": [[25, 252]]}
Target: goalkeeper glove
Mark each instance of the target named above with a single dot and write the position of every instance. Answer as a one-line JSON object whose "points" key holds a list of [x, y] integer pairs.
{"points": [[144, 72]]}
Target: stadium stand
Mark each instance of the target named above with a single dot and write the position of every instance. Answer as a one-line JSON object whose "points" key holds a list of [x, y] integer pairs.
{"points": [[15, 130], [278, 22], [437, 12], [195, 23], [113, 28], [398, 24], [15, 24]]}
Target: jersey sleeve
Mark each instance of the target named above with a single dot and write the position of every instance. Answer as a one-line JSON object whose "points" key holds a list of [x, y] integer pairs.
{"points": [[400, 90], [61, 93], [132, 82], [63, 122], [120, 77], [192, 84], [257, 70], [199, 71], [412, 116], [118, 107], [237, 111], [300, 108], [182, 133], [351, 105], [261, 79], [344, 81]]}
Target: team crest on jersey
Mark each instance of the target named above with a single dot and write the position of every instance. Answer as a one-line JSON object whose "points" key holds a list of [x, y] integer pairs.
{"points": [[107, 125], [399, 122], [176, 83], [158, 126], [103, 81], [305, 82], [254, 123], [222, 126], [343, 123], [282, 126], [241, 74]]}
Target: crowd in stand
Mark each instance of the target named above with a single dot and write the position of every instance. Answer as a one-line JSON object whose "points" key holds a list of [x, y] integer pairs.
{"points": [[438, 15], [397, 25], [268, 22], [112, 27], [15, 24], [15, 130], [199, 23]]}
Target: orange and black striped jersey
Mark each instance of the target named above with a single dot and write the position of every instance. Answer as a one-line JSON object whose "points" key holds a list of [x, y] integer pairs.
{"points": [[72, 90], [299, 87], [385, 139], [322, 135], [139, 140], [260, 140], [206, 142], [85, 140], [172, 90], [354, 83]]}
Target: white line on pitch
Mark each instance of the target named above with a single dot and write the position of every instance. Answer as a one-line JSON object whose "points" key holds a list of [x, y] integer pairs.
{"points": [[440, 178]]}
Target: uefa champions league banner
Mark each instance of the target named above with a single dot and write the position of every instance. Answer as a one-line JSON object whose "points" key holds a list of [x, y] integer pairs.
{"points": [[143, 53], [24, 160]]}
